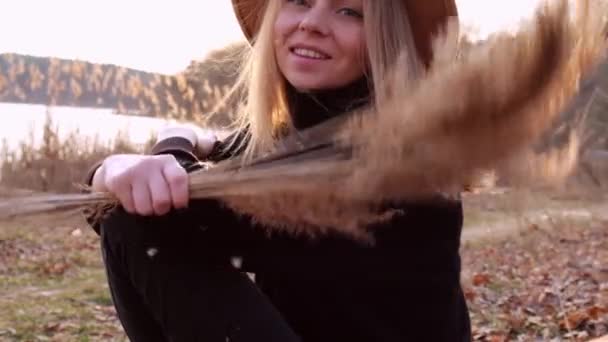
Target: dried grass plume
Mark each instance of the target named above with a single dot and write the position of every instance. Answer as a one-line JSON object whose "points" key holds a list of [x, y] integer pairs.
{"points": [[478, 109]]}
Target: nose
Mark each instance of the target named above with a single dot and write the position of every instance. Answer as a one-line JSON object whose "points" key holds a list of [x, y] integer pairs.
{"points": [[315, 21]]}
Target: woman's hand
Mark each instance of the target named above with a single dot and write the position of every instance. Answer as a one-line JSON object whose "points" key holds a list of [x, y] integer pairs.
{"points": [[144, 184]]}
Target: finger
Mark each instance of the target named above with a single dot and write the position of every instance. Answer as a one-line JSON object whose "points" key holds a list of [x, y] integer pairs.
{"points": [[160, 193], [126, 200], [119, 187], [142, 199], [177, 180]]}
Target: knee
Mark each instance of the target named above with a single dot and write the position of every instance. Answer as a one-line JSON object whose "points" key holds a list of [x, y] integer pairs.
{"points": [[119, 225], [177, 228], [116, 224]]}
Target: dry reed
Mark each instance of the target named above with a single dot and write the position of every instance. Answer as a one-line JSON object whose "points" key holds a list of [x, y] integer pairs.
{"points": [[483, 108]]}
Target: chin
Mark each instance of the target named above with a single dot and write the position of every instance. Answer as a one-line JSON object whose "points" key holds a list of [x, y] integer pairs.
{"points": [[309, 87], [307, 84]]}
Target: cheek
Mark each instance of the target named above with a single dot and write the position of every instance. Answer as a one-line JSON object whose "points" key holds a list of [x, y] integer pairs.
{"points": [[278, 39], [284, 24], [278, 28], [353, 49], [277, 34]]}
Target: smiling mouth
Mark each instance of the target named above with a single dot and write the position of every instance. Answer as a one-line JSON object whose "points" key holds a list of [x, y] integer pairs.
{"points": [[308, 53]]}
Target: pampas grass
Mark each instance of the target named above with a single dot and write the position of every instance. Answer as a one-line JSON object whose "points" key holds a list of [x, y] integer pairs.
{"points": [[483, 108], [479, 112], [483, 111]]}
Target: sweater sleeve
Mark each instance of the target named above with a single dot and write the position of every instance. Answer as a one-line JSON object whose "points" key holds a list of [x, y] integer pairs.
{"points": [[181, 148]]}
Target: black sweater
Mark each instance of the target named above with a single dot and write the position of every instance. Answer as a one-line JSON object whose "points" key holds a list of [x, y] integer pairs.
{"points": [[404, 288]]}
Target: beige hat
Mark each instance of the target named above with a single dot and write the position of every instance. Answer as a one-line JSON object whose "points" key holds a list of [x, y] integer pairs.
{"points": [[426, 17]]}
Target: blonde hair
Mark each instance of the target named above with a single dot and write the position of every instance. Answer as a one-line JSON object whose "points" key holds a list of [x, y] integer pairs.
{"points": [[389, 41], [264, 113]]}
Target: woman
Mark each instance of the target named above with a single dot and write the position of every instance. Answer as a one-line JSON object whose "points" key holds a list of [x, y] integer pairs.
{"points": [[176, 268]]}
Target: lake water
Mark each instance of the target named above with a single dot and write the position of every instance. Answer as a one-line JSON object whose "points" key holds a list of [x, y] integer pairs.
{"points": [[22, 122]]}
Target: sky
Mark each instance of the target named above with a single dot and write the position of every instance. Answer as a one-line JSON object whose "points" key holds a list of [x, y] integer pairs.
{"points": [[164, 35]]}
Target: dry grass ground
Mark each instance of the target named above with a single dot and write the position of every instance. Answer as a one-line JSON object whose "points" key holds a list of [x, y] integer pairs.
{"points": [[53, 285], [534, 265], [544, 280]]}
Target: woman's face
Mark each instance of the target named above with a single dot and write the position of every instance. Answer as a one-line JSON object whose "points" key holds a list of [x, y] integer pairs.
{"points": [[319, 44]]}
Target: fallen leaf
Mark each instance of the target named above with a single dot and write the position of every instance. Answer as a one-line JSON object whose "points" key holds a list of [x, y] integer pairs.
{"points": [[573, 320], [52, 327], [534, 320], [497, 338], [480, 279], [595, 312], [470, 294], [58, 268]]}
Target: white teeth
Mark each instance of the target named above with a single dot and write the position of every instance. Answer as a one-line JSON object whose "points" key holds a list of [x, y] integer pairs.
{"points": [[309, 53]]}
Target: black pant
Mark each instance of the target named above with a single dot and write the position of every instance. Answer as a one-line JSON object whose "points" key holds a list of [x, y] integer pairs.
{"points": [[170, 284], [172, 279]]}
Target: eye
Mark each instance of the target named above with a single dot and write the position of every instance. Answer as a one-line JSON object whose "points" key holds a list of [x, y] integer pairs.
{"points": [[351, 12]]}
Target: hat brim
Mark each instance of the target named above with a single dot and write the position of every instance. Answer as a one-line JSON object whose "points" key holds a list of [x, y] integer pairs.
{"points": [[426, 17]]}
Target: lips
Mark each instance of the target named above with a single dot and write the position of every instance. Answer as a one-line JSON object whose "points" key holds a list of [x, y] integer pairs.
{"points": [[308, 52]]}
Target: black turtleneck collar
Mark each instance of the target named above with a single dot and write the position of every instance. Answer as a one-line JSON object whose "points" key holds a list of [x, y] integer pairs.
{"points": [[311, 108]]}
